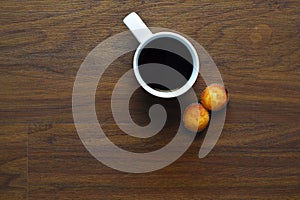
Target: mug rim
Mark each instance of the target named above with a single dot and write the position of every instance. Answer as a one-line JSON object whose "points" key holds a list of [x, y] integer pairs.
{"points": [[170, 93]]}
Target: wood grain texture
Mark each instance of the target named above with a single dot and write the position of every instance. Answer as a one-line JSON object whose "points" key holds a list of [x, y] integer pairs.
{"points": [[256, 45]]}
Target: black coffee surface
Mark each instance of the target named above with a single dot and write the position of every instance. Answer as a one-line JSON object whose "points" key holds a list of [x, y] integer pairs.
{"points": [[167, 61]]}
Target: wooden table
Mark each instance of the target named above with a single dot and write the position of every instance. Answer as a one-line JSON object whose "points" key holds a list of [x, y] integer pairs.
{"points": [[256, 46]]}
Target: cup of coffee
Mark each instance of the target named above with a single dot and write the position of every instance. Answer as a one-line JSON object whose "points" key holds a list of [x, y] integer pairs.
{"points": [[165, 64]]}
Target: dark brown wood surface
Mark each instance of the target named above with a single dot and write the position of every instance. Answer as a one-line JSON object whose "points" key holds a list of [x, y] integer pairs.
{"points": [[256, 46]]}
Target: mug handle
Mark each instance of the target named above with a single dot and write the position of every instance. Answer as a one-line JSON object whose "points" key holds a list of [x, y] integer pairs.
{"points": [[137, 27]]}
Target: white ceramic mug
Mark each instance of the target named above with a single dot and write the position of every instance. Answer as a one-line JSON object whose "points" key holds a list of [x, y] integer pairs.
{"points": [[145, 36]]}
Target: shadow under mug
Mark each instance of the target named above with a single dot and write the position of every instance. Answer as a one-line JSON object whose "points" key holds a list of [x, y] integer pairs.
{"points": [[166, 58]]}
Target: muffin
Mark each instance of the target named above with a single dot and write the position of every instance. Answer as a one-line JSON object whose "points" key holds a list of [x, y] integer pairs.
{"points": [[195, 117], [214, 97]]}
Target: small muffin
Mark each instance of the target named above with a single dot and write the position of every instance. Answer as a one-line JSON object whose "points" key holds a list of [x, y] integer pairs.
{"points": [[195, 117], [214, 97]]}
